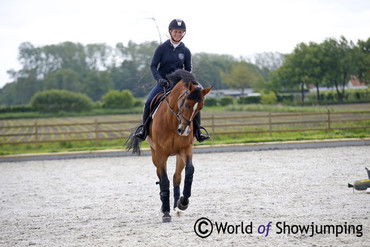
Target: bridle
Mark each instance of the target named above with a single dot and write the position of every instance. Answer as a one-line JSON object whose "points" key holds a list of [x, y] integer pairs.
{"points": [[179, 115]]}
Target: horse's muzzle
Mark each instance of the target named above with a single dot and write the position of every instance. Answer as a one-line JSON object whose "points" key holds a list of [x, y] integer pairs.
{"points": [[183, 132]]}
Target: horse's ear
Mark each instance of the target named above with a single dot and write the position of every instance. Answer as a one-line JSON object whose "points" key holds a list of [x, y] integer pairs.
{"points": [[191, 86], [206, 91]]}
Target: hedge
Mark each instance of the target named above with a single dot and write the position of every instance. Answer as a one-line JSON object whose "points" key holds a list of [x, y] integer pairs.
{"points": [[118, 100], [60, 100], [227, 100], [249, 100]]}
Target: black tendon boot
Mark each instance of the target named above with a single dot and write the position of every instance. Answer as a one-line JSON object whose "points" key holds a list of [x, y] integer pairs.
{"points": [[197, 129], [142, 130]]}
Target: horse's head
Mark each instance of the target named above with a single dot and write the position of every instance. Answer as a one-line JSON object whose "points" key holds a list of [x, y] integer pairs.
{"points": [[190, 102]]}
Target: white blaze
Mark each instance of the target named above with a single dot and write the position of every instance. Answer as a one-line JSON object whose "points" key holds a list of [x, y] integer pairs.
{"points": [[187, 130]]}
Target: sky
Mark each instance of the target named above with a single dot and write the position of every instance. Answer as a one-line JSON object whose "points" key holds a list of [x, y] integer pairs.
{"points": [[239, 28]]}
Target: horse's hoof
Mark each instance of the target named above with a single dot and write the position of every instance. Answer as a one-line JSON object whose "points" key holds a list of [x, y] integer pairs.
{"points": [[178, 212], [182, 205], [166, 217]]}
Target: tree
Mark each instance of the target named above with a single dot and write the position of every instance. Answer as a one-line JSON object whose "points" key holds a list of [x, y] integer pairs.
{"points": [[21, 91], [97, 83], [98, 56], [50, 58], [363, 51], [340, 63], [133, 72], [63, 79], [241, 76], [268, 61], [304, 66], [207, 67]]}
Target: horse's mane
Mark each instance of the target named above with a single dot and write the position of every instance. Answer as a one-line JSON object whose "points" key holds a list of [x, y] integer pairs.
{"points": [[186, 77], [183, 75]]}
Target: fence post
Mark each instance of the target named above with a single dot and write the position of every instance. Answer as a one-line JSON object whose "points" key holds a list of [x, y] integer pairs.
{"points": [[329, 122], [36, 135], [270, 125], [213, 127], [96, 133]]}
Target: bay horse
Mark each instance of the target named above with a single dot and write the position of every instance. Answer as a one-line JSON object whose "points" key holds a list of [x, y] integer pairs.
{"points": [[171, 133]]}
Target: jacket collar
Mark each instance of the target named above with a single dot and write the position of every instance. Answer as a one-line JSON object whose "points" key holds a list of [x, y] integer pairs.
{"points": [[168, 42]]}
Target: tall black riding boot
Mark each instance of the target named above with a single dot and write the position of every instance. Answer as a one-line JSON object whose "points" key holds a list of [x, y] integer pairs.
{"points": [[197, 129], [142, 130]]}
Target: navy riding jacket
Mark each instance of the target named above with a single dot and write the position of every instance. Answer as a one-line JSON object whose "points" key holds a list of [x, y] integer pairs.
{"points": [[167, 59]]}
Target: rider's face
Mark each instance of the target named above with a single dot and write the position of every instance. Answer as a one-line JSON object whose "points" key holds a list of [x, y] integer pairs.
{"points": [[176, 35]]}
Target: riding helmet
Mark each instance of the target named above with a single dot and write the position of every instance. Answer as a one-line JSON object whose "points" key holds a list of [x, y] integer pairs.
{"points": [[177, 24]]}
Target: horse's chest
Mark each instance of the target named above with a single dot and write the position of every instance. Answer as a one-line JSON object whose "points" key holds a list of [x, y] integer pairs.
{"points": [[178, 143]]}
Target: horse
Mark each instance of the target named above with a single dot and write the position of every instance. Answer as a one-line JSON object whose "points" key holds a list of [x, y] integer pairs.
{"points": [[171, 133]]}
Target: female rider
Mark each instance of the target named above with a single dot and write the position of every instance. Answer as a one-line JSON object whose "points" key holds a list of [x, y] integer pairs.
{"points": [[168, 57]]}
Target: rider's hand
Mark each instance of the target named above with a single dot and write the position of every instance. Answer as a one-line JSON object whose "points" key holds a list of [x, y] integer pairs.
{"points": [[163, 83]]}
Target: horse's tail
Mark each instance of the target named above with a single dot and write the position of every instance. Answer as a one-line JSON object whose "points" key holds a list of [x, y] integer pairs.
{"points": [[133, 143]]}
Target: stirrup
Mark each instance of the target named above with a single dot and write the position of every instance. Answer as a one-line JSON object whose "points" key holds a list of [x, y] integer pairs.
{"points": [[140, 132], [200, 136]]}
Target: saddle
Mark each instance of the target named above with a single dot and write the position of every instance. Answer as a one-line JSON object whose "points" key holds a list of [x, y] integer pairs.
{"points": [[156, 101]]}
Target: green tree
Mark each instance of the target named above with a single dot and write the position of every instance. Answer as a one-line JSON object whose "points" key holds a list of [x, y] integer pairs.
{"points": [[132, 71], [363, 52], [207, 68], [98, 56], [340, 61], [21, 91], [97, 83], [63, 79], [267, 62], [49, 58], [241, 76], [301, 68]]}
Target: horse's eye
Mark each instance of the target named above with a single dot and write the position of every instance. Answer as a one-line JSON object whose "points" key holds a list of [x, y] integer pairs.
{"points": [[187, 106]]}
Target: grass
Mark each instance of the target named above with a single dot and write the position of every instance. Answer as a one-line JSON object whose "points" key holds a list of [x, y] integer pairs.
{"points": [[219, 139], [283, 108], [65, 146], [94, 112]]}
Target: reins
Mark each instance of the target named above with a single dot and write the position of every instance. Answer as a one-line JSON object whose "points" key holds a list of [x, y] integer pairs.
{"points": [[178, 115]]}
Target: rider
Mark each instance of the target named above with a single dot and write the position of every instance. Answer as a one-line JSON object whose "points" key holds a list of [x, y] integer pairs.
{"points": [[168, 57]]}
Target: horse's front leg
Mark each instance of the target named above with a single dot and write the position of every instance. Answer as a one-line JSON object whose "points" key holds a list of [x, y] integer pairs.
{"points": [[164, 185], [180, 164], [183, 202]]}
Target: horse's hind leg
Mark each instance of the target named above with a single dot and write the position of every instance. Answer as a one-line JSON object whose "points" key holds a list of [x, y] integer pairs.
{"points": [[189, 171]]}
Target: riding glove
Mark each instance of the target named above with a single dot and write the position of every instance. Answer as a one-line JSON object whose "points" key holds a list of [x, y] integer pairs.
{"points": [[163, 83]]}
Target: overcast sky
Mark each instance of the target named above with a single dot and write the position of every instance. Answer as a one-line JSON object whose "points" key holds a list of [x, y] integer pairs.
{"points": [[239, 28]]}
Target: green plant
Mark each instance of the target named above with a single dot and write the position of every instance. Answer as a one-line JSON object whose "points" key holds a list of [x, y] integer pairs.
{"points": [[115, 99], [249, 100], [60, 100], [211, 102], [268, 99], [227, 100]]}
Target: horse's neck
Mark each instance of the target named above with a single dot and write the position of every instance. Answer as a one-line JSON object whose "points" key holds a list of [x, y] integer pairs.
{"points": [[173, 97]]}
